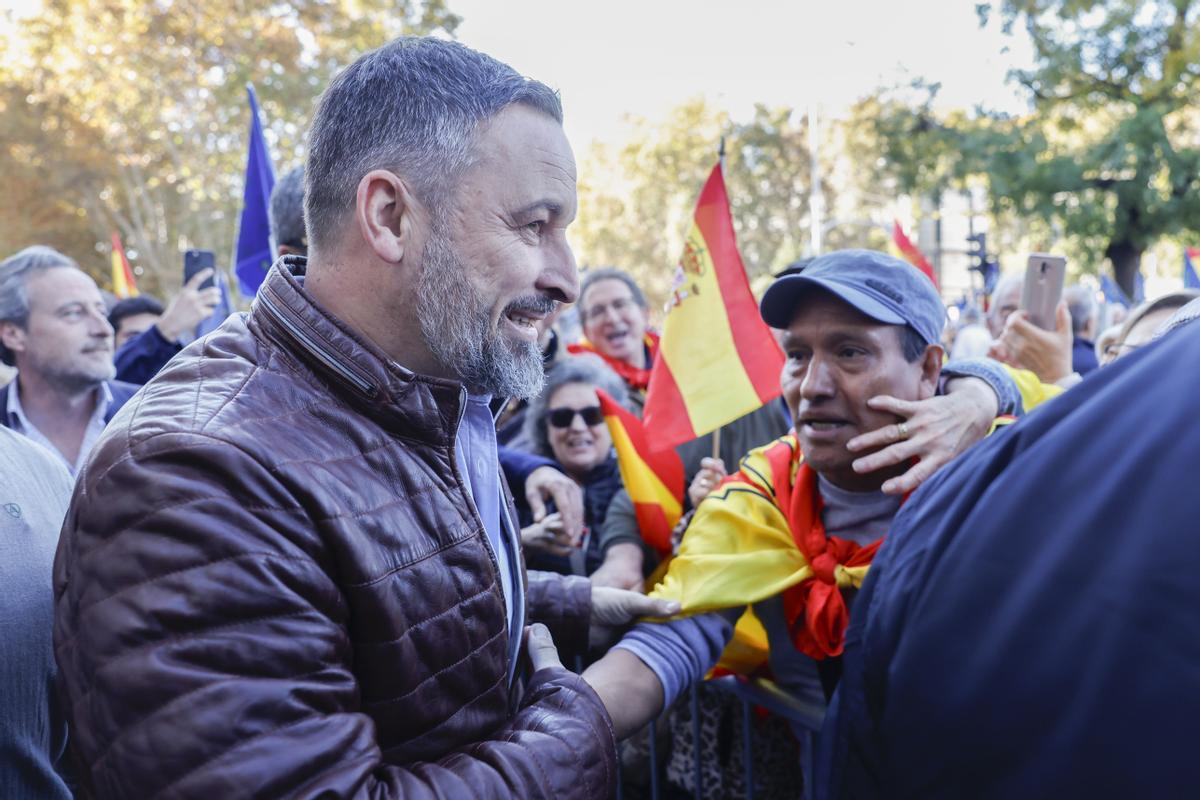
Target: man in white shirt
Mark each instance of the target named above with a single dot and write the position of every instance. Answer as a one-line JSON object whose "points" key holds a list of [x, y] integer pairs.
{"points": [[54, 329]]}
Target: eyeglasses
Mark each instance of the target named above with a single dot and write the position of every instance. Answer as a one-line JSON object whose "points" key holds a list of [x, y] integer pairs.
{"points": [[563, 417], [1115, 349], [616, 307]]}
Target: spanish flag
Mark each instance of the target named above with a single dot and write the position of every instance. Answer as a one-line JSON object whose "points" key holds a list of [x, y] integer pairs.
{"points": [[654, 480], [717, 360], [122, 276], [910, 252]]}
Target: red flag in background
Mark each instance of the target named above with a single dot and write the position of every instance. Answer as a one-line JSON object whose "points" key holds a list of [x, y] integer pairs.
{"points": [[911, 253], [717, 360], [654, 479], [122, 275]]}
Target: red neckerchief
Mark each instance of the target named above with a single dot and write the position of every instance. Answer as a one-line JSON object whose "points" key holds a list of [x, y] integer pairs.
{"points": [[637, 379], [815, 610]]}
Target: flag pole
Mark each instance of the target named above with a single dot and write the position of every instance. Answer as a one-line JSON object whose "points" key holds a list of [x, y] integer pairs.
{"points": [[716, 436]]}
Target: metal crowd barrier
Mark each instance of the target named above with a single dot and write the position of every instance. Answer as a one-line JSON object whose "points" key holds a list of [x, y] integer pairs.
{"points": [[804, 718]]}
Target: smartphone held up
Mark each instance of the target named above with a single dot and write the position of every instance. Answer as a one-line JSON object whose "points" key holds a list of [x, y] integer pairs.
{"points": [[1044, 277], [196, 261]]}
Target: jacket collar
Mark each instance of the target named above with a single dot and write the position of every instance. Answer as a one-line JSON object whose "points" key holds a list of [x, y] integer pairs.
{"points": [[406, 404]]}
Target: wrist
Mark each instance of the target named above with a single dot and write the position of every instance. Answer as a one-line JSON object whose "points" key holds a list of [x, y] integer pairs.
{"points": [[168, 331]]}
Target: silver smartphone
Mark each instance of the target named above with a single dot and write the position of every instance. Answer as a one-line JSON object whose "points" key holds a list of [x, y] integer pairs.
{"points": [[1044, 276]]}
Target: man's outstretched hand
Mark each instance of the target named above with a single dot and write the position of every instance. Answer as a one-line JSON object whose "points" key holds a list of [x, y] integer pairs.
{"points": [[540, 647], [614, 609], [547, 483], [939, 429], [1026, 346]]}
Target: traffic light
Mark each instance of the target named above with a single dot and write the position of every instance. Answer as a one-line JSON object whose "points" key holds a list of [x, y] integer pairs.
{"points": [[981, 262], [978, 252]]}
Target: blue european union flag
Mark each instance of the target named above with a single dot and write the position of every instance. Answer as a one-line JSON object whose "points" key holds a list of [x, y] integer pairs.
{"points": [[1139, 288], [255, 253], [1112, 292], [1190, 279]]}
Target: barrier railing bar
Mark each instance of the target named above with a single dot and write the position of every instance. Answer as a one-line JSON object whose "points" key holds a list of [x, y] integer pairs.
{"points": [[747, 748], [653, 759], [697, 773]]}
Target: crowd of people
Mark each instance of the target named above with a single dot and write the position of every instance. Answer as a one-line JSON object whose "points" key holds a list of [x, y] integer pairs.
{"points": [[344, 545]]}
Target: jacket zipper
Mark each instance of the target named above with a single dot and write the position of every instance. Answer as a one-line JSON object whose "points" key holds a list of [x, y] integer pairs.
{"points": [[369, 389], [316, 350], [487, 544]]}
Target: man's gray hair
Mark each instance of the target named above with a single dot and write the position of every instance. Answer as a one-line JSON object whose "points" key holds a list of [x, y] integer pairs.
{"points": [[287, 210], [15, 272], [412, 107], [584, 368], [594, 276], [1081, 302], [1003, 287]]}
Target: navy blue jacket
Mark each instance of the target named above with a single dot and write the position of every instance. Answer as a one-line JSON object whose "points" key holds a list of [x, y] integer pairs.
{"points": [[121, 392], [144, 355], [1083, 356], [1030, 627]]}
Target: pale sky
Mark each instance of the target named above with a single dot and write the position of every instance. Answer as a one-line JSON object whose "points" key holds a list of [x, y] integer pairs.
{"points": [[642, 57], [645, 56]]}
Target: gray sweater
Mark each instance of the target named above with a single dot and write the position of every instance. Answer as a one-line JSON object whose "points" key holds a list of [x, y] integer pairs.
{"points": [[34, 491]]}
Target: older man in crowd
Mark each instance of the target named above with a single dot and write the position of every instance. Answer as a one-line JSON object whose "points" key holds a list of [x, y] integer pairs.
{"points": [[54, 329], [794, 531], [1041, 640], [1085, 316], [287, 214], [294, 569], [1006, 298]]}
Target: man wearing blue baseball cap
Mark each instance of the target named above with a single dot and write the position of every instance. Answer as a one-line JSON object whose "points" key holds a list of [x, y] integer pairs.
{"points": [[792, 533]]}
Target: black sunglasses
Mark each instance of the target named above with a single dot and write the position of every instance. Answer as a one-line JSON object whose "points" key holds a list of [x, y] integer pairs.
{"points": [[563, 417]]}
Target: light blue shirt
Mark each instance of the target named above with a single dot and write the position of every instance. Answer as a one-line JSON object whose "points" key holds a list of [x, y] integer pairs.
{"points": [[478, 460], [21, 424]]}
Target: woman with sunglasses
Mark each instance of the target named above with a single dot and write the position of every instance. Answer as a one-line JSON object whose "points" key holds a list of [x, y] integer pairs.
{"points": [[565, 424]]}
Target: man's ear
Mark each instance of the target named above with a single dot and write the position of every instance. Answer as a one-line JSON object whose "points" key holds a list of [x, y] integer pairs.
{"points": [[389, 216], [931, 370], [13, 336]]}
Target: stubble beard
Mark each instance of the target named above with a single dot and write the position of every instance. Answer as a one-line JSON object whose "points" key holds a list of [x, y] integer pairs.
{"points": [[74, 376], [456, 326]]}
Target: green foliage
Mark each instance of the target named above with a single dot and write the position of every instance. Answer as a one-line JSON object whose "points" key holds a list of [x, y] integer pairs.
{"points": [[133, 115], [636, 203], [1110, 153]]}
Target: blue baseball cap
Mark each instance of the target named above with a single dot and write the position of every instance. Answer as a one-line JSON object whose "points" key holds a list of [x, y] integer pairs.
{"points": [[880, 286]]}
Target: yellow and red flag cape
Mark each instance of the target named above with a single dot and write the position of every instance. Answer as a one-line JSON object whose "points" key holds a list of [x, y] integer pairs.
{"points": [[759, 534], [122, 276], [654, 479], [717, 360]]}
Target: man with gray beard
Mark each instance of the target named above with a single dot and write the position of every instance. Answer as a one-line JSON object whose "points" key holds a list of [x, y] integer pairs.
{"points": [[292, 569]]}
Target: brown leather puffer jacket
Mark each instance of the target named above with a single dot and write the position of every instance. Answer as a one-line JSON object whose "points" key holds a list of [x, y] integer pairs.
{"points": [[272, 583]]}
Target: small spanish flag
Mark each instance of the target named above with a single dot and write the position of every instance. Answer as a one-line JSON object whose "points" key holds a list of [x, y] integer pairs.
{"points": [[717, 360], [122, 276], [910, 252], [654, 480]]}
